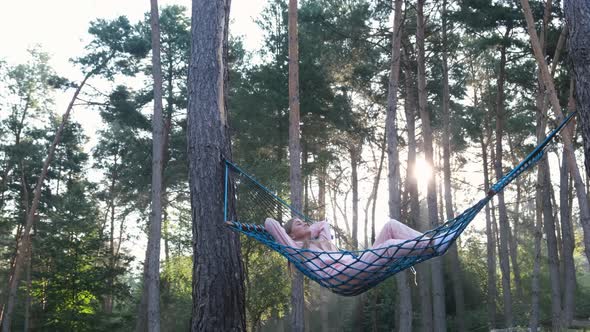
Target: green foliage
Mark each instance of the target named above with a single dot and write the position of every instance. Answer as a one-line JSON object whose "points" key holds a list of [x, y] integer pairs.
{"points": [[176, 292], [267, 283], [117, 47]]}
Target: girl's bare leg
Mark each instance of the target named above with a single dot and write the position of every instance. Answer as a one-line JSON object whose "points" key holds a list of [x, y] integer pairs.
{"points": [[395, 230]]}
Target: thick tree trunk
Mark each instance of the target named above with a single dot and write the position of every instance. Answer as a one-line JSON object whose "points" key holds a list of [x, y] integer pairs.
{"points": [[23, 242], [218, 278], [438, 291], [502, 214], [456, 271], [554, 100], [404, 321], [577, 16], [297, 299]]}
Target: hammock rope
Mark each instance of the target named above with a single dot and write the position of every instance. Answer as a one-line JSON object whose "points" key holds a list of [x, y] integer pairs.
{"points": [[350, 272]]}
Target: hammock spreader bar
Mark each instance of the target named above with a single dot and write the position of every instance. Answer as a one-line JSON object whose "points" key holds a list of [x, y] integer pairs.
{"points": [[362, 269]]}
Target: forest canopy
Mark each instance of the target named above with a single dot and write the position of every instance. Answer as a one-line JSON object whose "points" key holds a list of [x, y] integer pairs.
{"points": [[471, 99]]}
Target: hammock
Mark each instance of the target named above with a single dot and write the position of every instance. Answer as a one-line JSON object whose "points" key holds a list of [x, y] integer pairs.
{"points": [[254, 202]]}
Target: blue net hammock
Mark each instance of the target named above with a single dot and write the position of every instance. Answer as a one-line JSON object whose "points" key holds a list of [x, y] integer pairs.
{"points": [[254, 203]]}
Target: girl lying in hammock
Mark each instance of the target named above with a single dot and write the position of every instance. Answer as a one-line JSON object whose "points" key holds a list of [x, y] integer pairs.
{"points": [[395, 241]]}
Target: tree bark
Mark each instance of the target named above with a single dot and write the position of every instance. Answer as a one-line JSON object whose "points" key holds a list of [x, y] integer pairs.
{"points": [[354, 162], [549, 223], [404, 321], [108, 303], [322, 176], [324, 292], [438, 291], [23, 242], [376, 188], [513, 231], [218, 277], [502, 214], [486, 139], [567, 233], [456, 271], [423, 270], [492, 290], [538, 233], [27, 323], [151, 283], [297, 299], [577, 17], [375, 192]]}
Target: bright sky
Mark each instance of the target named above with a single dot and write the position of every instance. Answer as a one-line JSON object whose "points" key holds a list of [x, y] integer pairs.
{"points": [[60, 28]]}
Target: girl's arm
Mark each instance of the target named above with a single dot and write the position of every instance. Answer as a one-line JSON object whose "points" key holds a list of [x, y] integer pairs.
{"points": [[278, 232], [321, 231]]}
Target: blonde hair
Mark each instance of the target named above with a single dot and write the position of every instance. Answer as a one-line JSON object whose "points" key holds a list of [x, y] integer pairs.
{"points": [[289, 228], [289, 225], [322, 244]]}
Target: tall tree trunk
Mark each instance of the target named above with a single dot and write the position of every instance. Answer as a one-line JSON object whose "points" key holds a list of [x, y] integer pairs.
{"points": [[538, 233], [108, 301], [218, 275], [375, 294], [502, 214], [355, 155], [354, 163], [554, 101], [23, 242], [27, 323], [324, 292], [438, 291], [404, 322], [423, 270], [535, 284], [547, 195], [322, 176], [577, 16], [305, 180], [297, 300], [151, 283], [549, 223], [567, 233], [376, 188], [513, 231], [490, 235], [456, 271]]}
